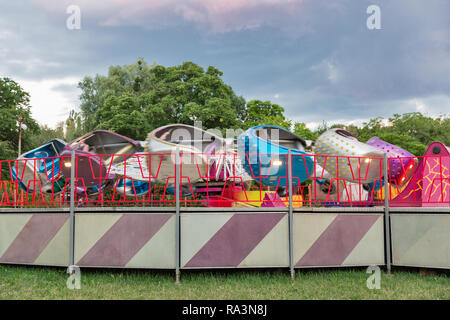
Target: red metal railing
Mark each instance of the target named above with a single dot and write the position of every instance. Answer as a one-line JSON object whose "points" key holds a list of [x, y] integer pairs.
{"points": [[428, 184], [222, 180], [344, 181]]}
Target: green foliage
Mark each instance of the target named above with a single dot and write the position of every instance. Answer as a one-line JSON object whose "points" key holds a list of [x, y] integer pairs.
{"points": [[133, 78], [137, 98], [66, 130], [264, 112], [411, 131], [423, 129], [74, 127], [301, 130], [46, 134], [123, 115], [14, 104]]}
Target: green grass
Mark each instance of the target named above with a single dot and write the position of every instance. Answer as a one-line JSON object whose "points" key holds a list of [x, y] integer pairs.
{"points": [[20, 282]]}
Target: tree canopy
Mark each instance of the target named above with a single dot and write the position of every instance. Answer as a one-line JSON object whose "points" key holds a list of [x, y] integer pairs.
{"points": [[137, 98], [14, 104], [134, 99], [264, 112], [304, 132], [411, 131]]}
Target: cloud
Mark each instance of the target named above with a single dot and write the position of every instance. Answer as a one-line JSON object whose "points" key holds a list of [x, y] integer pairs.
{"points": [[33, 46], [51, 100], [316, 58], [434, 105], [408, 57], [314, 107], [314, 125], [327, 69], [213, 16]]}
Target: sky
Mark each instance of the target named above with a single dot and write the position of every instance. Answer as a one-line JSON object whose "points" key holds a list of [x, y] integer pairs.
{"points": [[316, 58]]}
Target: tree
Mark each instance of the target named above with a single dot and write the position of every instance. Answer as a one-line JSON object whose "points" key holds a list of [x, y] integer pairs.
{"points": [[46, 134], [423, 129], [301, 130], [133, 78], [186, 93], [123, 115], [137, 98], [14, 103], [410, 131], [74, 127], [259, 113], [152, 96]]}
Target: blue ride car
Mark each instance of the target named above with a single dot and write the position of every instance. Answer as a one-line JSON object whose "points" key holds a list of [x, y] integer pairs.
{"points": [[263, 150]]}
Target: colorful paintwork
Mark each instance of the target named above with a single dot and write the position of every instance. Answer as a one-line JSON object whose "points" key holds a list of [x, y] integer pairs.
{"points": [[394, 191], [39, 169], [227, 165], [430, 184], [133, 176], [344, 156], [254, 198], [264, 156], [131, 188], [401, 162], [195, 146], [96, 153]]}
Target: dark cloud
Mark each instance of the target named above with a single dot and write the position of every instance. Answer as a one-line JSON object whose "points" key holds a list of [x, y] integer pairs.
{"points": [[316, 58]]}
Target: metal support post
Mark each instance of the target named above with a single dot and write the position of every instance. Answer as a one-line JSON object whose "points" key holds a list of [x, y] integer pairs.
{"points": [[291, 216], [177, 216], [72, 209], [387, 223]]}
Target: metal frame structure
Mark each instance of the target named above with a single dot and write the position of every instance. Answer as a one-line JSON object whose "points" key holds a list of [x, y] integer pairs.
{"points": [[177, 211]]}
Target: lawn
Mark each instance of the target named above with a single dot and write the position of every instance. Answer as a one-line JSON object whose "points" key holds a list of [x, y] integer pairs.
{"points": [[21, 282]]}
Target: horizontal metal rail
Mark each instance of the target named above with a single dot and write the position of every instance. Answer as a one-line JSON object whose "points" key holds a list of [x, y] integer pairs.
{"points": [[223, 180]]}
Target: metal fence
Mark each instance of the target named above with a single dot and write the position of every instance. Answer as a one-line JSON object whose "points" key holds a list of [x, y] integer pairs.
{"points": [[428, 184], [210, 211], [224, 180]]}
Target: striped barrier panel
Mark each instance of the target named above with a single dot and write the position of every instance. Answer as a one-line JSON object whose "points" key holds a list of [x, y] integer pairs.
{"points": [[234, 239], [35, 239], [421, 239], [145, 238], [125, 240], [338, 239]]}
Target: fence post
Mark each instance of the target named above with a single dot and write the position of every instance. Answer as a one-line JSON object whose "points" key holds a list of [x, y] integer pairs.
{"points": [[291, 217], [387, 224], [72, 209], [177, 216]]}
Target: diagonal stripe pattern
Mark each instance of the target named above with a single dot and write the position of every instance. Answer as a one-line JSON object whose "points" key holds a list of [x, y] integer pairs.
{"points": [[124, 239], [338, 240], [34, 237], [235, 240], [421, 240]]}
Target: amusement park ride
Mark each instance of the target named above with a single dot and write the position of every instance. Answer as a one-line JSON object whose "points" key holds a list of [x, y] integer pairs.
{"points": [[335, 170]]}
